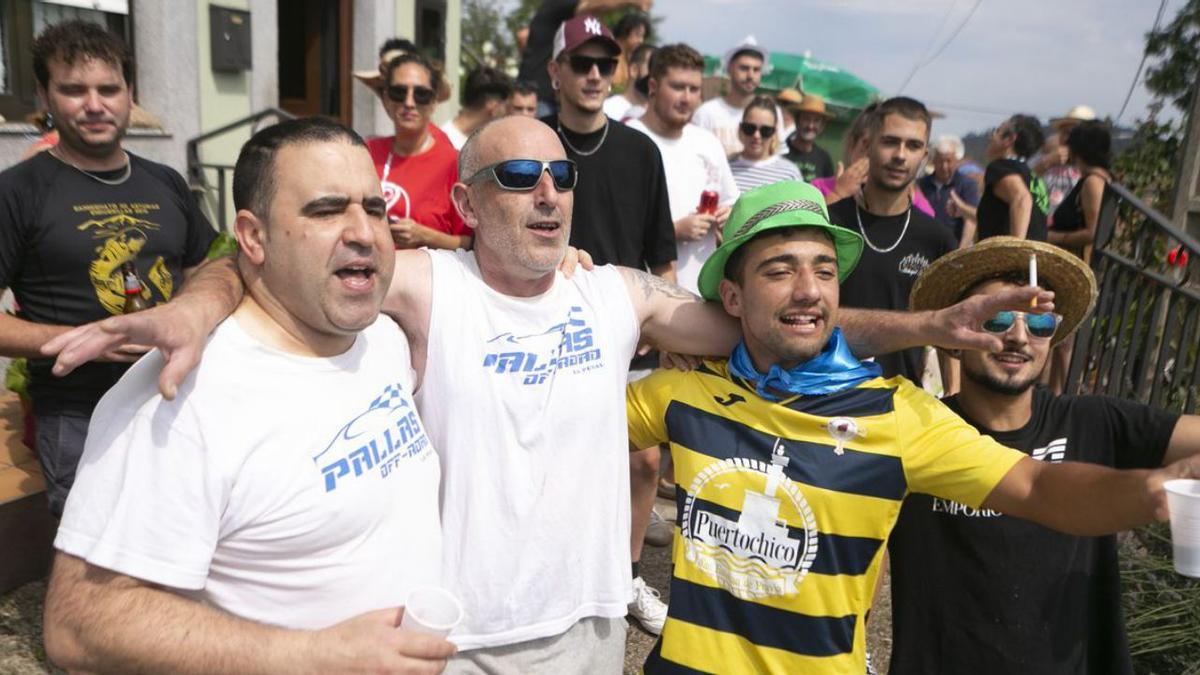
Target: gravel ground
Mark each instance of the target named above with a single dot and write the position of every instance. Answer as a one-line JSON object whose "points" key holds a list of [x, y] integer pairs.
{"points": [[21, 619]]}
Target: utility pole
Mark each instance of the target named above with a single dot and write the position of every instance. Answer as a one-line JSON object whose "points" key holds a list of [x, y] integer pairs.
{"points": [[1185, 211]]}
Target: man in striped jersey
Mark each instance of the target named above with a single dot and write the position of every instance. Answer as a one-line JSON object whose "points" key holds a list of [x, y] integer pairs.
{"points": [[792, 459]]}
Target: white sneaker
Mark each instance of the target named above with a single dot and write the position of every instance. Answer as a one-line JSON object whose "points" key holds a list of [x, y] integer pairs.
{"points": [[647, 608], [660, 531]]}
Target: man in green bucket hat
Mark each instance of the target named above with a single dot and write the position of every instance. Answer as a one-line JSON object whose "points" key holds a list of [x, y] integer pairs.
{"points": [[792, 458]]}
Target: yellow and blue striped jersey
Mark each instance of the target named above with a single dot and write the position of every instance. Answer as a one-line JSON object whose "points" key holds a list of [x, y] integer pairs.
{"points": [[784, 509]]}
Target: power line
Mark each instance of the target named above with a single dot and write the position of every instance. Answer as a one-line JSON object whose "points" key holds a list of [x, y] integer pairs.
{"points": [[929, 45], [1138, 75], [945, 44]]}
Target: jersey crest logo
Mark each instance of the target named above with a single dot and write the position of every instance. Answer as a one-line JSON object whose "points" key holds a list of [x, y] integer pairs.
{"points": [[768, 545], [843, 430]]}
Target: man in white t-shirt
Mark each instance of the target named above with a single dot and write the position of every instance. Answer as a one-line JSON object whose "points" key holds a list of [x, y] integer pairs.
{"points": [[274, 515], [485, 97], [692, 157], [745, 65], [523, 372], [631, 103]]}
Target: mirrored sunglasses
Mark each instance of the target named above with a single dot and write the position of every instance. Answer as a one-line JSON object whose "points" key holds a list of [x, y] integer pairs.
{"points": [[1040, 326], [524, 174]]}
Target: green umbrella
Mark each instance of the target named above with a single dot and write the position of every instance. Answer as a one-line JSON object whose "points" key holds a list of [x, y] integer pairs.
{"points": [[839, 88]]}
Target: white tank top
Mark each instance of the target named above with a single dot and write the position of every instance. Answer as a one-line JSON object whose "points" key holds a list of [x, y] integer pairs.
{"points": [[525, 400]]}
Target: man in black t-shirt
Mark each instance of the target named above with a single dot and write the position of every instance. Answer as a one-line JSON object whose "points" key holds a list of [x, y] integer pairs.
{"points": [[540, 47], [900, 240], [1014, 200], [810, 117], [622, 216], [72, 217], [974, 590]]}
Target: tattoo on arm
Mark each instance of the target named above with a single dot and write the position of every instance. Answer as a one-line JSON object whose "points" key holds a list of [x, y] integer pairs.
{"points": [[651, 285]]}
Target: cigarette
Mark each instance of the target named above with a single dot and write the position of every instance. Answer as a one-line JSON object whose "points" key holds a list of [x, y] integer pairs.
{"points": [[1033, 280]]}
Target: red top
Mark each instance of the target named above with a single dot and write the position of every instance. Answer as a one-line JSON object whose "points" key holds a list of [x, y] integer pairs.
{"points": [[418, 186]]}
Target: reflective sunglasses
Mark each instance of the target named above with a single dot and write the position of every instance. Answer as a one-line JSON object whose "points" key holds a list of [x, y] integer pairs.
{"points": [[1041, 326], [582, 65], [522, 175], [421, 95], [749, 129]]}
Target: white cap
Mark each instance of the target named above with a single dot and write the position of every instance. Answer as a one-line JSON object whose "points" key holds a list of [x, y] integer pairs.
{"points": [[749, 44]]}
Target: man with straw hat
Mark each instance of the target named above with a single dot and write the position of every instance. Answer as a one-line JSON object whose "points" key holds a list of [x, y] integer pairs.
{"points": [[1013, 596], [792, 458], [802, 149]]}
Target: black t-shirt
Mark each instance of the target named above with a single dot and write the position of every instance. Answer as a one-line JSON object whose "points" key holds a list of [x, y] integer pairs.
{"points": [[992, 213], [815, 163], [884, 280], [622, 214], [974, 591], [63, 239], [540, 45]]}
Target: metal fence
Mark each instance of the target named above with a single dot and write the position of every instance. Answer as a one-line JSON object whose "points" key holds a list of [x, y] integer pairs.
{"points": [[1142, 341]]}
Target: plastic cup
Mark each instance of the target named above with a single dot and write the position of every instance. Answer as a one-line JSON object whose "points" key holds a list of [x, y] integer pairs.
{"points": [[432, 610], [1183, 499]]}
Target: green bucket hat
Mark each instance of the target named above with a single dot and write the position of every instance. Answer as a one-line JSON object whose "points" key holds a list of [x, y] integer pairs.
{"points": [[784, 204]]}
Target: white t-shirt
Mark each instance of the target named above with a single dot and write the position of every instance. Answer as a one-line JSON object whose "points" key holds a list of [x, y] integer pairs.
{"points": [[525, 400], [749, 175], [694, 162], [616, 106], [293, 491], [457, 138]]}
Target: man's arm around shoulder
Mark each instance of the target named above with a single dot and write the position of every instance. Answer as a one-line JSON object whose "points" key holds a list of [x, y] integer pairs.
{"points": [[101, 621]]}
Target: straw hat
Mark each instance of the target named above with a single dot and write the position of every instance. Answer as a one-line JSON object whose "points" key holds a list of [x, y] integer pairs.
{"points": [[944, 282], [789, 98], [1080, 113], [812, 103]]}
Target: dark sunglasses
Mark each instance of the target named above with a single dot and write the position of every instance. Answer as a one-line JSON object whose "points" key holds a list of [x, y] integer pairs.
{"points": [[522, 175], [582, 65], [750, 129], [421, 95], [1040, 326]]}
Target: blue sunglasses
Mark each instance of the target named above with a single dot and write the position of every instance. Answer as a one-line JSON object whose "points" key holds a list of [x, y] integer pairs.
{"points": [[1040, 326], [522, 175]]}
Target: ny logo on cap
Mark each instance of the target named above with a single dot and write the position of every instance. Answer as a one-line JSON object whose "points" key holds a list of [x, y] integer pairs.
{"points": [[592, 26]]}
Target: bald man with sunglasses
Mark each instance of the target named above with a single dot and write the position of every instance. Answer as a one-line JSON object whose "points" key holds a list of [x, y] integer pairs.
{"points": [[974, 590], [520, 373]]}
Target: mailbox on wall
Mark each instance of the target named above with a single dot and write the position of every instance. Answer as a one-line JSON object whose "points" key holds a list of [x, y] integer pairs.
{"points": [[229, 32]]}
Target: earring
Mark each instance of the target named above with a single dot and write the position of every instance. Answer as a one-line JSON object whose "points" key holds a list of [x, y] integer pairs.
{"points": [[554, 85], [48, 120]]}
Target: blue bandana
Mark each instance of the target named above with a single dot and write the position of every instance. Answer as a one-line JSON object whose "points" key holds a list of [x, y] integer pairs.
{"points": [[833, 370]]}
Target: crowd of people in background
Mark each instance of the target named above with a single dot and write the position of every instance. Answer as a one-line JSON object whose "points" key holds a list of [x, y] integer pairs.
{"points": [[745, 200]]}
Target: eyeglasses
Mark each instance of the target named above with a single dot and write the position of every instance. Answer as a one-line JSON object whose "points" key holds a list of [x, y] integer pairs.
{"points": [[522, 175], [582, 65], [750, 129], [421, 95], [1041, 326]]}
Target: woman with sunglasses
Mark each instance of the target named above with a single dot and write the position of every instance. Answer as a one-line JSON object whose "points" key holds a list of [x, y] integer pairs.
{"points": [[418, 165], [757, 164]]}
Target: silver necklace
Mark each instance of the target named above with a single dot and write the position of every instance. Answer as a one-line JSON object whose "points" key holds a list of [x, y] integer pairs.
{"points": [[577, 150], [863, 230], [107, 181]]}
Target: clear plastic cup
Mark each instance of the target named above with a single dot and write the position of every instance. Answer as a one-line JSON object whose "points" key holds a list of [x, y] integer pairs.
{"points": [[1183, 499], [432, 610]]}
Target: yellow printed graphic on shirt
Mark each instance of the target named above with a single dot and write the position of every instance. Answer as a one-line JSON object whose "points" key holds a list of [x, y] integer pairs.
{"points": [[122, 234]]}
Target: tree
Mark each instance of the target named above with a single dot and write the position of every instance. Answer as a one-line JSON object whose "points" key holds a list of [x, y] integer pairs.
{"points": [[1176, 50], [486, 40]]}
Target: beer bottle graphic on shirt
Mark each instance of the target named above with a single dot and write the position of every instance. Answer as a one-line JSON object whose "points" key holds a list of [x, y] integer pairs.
{"points": [[134, 302]]}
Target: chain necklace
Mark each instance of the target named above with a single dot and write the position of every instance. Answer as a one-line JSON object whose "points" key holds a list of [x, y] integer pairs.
{"points": [[107, 181], [863, 230], [576, 150]]}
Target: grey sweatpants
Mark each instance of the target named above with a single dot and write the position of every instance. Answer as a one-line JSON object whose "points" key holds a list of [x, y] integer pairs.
{"points": [[592, 645]]}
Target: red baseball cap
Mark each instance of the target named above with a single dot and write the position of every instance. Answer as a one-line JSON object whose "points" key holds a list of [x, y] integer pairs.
{"points": [[582, 29]]}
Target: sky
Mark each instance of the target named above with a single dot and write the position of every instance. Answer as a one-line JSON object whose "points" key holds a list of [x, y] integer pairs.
{"points": [[1039, 57]]}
